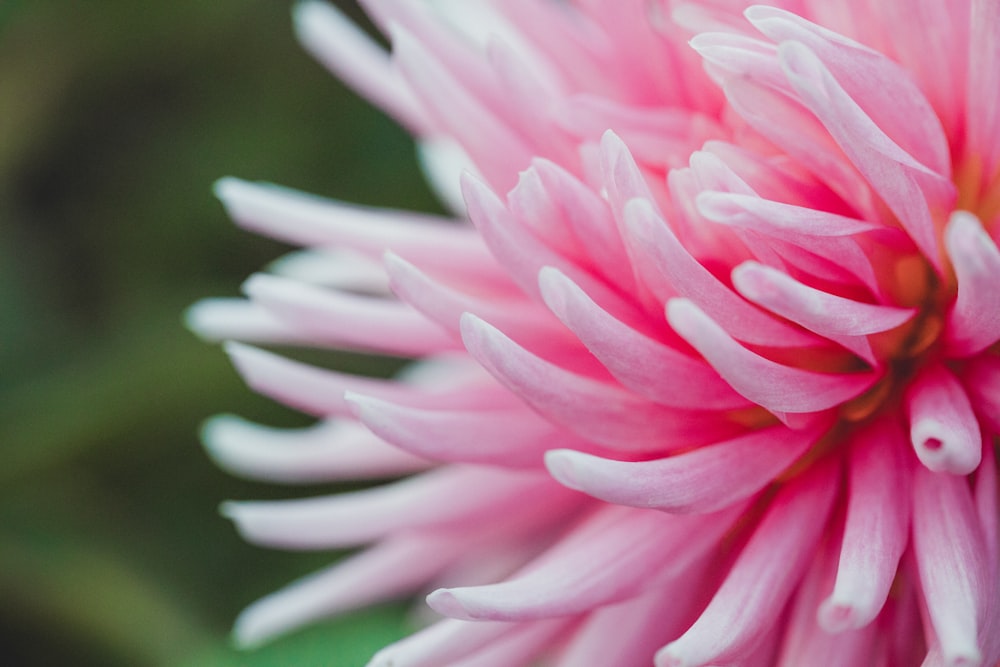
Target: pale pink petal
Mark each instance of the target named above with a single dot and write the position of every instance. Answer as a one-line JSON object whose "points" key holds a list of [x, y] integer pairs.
{"points": [[703, 480], [223, 319], [759, 584], [876, 528], [428, 500], [649, 235], [387, 571], [943, 427], [518, 646], [974, 320], [349, 321], [495, 148], [356, 59], [982, 109], [320, 392], [612, 556], [646, 366], [508, 438], [806, 642], [331, 450], [440, 644], [303, 219], [909, 188], [950, 554], [779, 388], [596, 411]]}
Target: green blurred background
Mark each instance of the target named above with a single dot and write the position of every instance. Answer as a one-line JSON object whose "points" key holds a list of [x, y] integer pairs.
{"points": [[115, 118]]}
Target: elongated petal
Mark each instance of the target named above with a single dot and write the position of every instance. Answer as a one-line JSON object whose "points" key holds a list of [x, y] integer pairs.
{"points": [[776, 387], [386, 571], [612, 556], [974, 320], [510, 438], [332, 450], [649, 235], [304, 219], [758, 585], [596, 411], [950, 554], [440, 644], [349, 519], [702, 480], [876, 529], [644, 365], [943, 427], [348, 320]]}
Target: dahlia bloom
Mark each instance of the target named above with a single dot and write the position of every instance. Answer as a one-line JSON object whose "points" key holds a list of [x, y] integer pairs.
{"points": [[705, 369]]}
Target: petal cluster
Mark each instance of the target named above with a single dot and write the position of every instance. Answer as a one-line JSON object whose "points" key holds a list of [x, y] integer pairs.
{"points": [[705, 365]]}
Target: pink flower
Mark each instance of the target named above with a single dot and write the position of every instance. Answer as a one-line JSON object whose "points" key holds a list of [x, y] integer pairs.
{"points": [[706, 371]]}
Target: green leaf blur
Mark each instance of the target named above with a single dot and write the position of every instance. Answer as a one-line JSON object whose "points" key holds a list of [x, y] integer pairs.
{"points": [[115, 119]]}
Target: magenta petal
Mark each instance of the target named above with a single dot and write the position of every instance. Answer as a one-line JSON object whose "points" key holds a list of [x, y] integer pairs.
{"points": [[704, 480], [974, 320], [776, 387], [943, 427]]}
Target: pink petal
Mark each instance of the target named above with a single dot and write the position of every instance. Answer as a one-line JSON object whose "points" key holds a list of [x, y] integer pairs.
{"points": [[644, 365], [440, 644], [436, 244], [650, 236], [517, 647], [347, 320], [908, 187], [596, 411], [974, 319], [982, 76], [357, 517], [884, 89], [779, 388], [950, 555], [943, 428], [702, 480], [495, 148], [320, 392], [508, 438], [239, 319], [390, 570], [356, 59], [614, 555], [757, 587], [876, 528], [332, 450]]}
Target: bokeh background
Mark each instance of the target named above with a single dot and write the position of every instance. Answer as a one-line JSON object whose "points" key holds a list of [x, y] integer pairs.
{"points": [[115, 118]]}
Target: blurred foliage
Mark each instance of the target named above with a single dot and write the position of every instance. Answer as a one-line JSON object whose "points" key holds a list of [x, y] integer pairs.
{"points": [[115, 119]]}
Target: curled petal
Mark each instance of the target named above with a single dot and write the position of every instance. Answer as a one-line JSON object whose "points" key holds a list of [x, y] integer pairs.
{"points": [[702, 480], [974, 320], [428, 500], [330, 450], [389, 570], [943, 427], [642, 364], [596, 411], [757, 587], [876, 528], [779, 388], [614, 555]]}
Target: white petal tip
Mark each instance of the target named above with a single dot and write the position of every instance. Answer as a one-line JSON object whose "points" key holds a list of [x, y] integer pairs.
{"points": [[446, 603], [561, 464]]}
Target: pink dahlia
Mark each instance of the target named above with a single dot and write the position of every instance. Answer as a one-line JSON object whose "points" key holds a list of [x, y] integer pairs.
{"points": [[705, 369]]}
